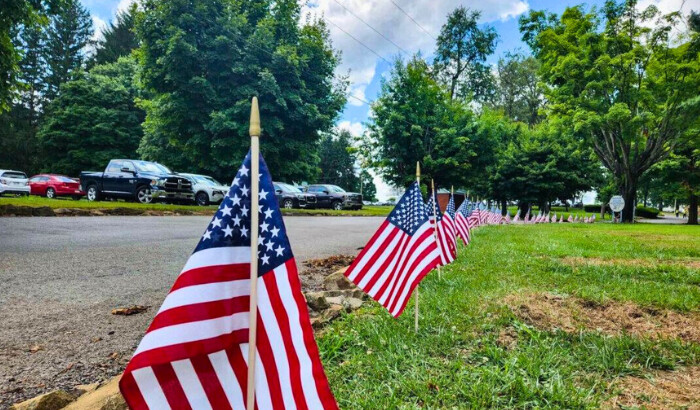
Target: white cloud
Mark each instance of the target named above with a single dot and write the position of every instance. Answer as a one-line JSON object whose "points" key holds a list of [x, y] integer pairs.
{"points": [[123, 5], [355, 128], [98, 25]]}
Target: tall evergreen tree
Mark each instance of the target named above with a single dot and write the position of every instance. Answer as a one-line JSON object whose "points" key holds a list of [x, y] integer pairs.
{"points": [[203, 61], [337, 161], [69, 32], [119, 38], [93, 120]]}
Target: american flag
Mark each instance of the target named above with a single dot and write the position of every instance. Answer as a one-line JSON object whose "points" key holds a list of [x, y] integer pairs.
{"points": [[399, 254], [462, 221], [517, 216], [445, 230], [195, 352], [474, 218]]}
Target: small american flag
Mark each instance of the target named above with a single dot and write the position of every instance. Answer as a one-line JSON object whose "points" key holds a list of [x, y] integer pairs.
{"points": [[445, 231], [474, 218], [195, 353], [462, 222], [399, 254]]}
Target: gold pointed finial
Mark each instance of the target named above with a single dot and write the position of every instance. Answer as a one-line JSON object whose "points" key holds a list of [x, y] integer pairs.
{"points": [[254, 118], [453, 190], [417, 169]]}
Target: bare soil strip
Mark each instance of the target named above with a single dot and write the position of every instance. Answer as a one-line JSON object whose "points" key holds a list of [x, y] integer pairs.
{"points": [[570, 314], [663, 390], [643, 262]]}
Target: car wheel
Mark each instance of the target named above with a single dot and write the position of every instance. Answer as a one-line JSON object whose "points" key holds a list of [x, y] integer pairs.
{"points": [[51, 193], [143, 195], [202, 199], [337, 205], [288, 204], [92, 193]]}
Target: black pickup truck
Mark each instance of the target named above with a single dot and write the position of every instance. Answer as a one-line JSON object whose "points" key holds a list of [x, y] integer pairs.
{"points": [[142, 181]]}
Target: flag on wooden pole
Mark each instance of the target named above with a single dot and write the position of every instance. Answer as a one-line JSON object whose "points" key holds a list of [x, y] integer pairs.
{"points": [[195, 353], [444, 227]]}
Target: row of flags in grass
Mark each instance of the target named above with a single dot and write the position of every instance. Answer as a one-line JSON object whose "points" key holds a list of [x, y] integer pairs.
{"points": [[195, 354], [546, 218]]}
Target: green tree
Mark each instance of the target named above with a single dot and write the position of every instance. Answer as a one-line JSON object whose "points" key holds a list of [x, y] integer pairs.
{"points": [[68, 33], [367, 186], [462, 48], [203, 61], [518, 92], [337, 160], [93, 120], [413, 119], [543, 165], [14, 15], [620, 84], [119, 38]]}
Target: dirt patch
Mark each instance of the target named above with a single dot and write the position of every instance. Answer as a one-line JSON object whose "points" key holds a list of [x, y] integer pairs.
{"points": [[644, 262], [570, 314], [664, 389], [315, 270]]}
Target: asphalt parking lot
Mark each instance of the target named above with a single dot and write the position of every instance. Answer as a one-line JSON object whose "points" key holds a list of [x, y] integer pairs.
{"points": [[60, 278]]}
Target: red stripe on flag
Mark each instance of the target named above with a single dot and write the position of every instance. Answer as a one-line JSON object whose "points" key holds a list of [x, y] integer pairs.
{"points": [[200, 311], [240, 369], [130, 390], [268, 361], [211, 274], [210, 382], [171, 386], [367, 266], [322, 386]]}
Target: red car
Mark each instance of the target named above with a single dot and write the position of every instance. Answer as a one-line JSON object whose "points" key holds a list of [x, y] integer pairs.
{"points": [[52, 186]]}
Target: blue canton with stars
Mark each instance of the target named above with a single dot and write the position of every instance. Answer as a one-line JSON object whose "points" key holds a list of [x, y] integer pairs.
{"points": [[465, 208], [409, 214], [451, 207], [429, 207], [231, 223]]}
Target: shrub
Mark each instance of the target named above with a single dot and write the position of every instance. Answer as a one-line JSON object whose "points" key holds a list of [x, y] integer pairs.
{"points": [[595, 208], [647, 212]]}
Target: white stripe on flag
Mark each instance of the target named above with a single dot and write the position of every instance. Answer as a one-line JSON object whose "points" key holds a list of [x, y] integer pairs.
{"points": [[369, 253], [308, 383], [225, 255], [392, 265], [192, 331], [388, 249], [224, 372], [191, 385], [208, 292], [150, 388], [398, 275], [429, 258]]}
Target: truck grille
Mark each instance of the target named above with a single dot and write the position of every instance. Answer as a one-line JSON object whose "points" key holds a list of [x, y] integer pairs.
{"points": [[310, 199], [175, 184]]}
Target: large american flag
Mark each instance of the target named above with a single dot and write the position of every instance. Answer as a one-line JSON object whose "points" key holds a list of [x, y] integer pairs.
{"points": [[444, 229], [195, 352], [462, 222], [399, 254]]}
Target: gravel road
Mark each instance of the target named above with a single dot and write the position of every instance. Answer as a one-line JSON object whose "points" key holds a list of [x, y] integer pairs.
{"points": [[60, 278]]}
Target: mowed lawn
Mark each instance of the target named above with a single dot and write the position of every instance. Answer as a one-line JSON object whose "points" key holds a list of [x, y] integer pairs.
{"points": [[474, 348]]}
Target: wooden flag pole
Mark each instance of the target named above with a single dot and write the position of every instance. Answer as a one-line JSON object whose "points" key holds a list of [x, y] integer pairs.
{"points": [[434, 194], [254, 206], [415, 293]]}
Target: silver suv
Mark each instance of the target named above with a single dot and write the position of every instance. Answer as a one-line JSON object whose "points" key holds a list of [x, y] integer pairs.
{"points": [[13, 182]]}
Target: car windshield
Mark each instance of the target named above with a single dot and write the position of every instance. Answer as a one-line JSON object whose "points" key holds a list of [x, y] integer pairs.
{"points": [[145, 166], [336, 188], [207, 180], [64, 179], [289, 188], [15, 175]]}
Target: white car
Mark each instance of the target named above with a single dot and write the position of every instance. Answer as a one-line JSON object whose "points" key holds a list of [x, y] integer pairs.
{"points": [[13, 182], [206, 189]]}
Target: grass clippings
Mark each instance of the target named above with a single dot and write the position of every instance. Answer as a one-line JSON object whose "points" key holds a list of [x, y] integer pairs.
{"points": [[571, 314], [660, 390], [642, 262]]}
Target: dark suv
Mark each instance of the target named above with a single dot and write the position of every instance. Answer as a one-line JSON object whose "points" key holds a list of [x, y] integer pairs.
{"points": [[289, 196], [334, 197]]}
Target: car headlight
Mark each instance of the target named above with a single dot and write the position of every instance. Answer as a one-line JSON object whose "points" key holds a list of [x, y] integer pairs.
{"points": [[154, 182], [300, 196], [3, 181]]}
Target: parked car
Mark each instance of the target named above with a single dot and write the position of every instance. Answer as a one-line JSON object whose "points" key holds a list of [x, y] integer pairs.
{"points": [[142, 181], [13, 182], [334, 197], [206, 189], [52, 186], [289, 196]]}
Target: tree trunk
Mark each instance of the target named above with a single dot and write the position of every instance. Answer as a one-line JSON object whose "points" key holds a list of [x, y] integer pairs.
{"points": [[693, 210], [602, 210], [523, 207], [630, 196], [504, 207]]}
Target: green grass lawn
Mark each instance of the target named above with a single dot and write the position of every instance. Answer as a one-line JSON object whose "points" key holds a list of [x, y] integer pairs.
{"points": [[455, 361], [560, 210], [38, 201]]}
